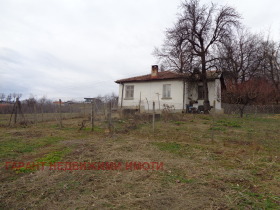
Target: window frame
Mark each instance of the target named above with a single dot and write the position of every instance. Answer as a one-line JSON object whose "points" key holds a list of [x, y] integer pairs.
{"points": [[166, 91], [129, 92]]}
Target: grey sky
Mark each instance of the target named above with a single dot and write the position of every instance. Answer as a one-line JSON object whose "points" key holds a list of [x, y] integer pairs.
{"points": [[71, 49]]}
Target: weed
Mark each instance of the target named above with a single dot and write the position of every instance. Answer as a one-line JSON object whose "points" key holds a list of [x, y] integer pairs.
{"points": [[23, 170]]}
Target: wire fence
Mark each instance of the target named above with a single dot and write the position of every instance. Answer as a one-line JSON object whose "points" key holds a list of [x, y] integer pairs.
{"points": [[14, 113], [251, 109], [19, 113]]}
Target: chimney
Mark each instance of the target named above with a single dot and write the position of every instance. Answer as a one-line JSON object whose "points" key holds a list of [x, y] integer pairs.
{"points": [[154, 73]]}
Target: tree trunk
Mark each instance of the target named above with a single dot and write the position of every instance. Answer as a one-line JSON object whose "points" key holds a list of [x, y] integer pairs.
{"points": [[241, 110], [206, 102]]}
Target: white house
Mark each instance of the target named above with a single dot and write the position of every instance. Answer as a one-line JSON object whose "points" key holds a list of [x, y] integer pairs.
{"points": [[167, 89]]}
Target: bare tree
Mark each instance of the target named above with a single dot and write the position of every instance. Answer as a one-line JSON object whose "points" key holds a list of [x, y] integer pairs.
{"points": [[9, 98], [271, 65], [174, 53], [199, 30], [240, 57], [2, 97], [15, 96]]}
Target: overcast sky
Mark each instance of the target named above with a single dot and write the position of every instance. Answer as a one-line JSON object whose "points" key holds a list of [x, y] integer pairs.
{"points": [[71, 49]]}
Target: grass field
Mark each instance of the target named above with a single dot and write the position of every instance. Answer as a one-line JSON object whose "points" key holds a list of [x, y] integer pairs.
{"points": [[220, 162]]}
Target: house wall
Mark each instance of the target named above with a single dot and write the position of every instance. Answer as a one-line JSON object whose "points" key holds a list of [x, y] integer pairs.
{"points": [[152, 91]]}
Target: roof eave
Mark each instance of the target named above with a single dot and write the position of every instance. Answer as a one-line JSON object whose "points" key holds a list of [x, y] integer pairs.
{"points": [[147, 80]]}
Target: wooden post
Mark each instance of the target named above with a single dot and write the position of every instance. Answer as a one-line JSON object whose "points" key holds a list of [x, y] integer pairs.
{"points": [[35, 112], [110, 117], [42, 112], [71, 110], [154, 117], [60, 114], [92, 116], [84, 109], [16, 110], [11, 115], [20, 110], [13, 111], [140, 103]]}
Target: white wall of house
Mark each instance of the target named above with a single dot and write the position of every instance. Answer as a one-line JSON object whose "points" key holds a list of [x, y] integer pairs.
{"points": [[152, 91]]}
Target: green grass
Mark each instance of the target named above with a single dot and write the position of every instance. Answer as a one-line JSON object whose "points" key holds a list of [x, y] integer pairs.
{"points": [[55, 156], [227, 123], [179, 123], [247, 198], [203, 157], [24, 170], [95, 129], [13, 147], [172, 147]]}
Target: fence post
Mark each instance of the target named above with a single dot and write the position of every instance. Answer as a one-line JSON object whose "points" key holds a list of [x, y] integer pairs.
{"points": [[154, 117], [84, 109], [60, 114], [92, 116], [140, 103], [42, 112], [16, 110], [110, 126], [35, 112]]}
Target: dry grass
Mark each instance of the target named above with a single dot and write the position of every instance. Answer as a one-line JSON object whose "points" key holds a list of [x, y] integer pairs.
{"points": [[209, 162]]}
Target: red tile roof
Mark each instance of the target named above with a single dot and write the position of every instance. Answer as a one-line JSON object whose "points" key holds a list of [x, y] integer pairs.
{"points": [[164, 75]]}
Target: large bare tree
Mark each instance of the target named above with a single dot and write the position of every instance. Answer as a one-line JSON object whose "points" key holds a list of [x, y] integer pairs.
{"points": [[241, 56], [193, 40]]}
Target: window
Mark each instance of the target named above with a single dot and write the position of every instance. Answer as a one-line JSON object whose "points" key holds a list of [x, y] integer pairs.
{"points": [[166, 91], [200, 92], [129, 91]]}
